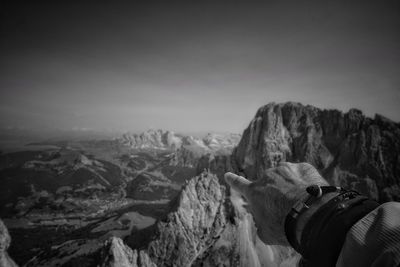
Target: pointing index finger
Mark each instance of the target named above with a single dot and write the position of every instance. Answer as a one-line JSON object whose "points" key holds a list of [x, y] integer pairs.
{"points": [[237, 182]]}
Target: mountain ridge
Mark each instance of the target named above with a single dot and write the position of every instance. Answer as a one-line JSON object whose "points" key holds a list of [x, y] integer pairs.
{"points": [[169, 140]]}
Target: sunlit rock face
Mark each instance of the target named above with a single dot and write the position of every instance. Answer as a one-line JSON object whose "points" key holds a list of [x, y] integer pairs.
{"points": [[349, 149], [116, 254], [195, 224], [5, 240]]}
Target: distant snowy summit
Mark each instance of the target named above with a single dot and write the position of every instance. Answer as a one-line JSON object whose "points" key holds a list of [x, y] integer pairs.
{"points": [[152, 139], [168, 140]]}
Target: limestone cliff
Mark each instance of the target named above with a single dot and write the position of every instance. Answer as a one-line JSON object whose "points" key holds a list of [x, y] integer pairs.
{"points": [[349, 149], [193, 227]]}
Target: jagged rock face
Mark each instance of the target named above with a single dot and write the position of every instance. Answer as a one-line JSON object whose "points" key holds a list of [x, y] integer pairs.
{"points": [[239, 245], [191, 229], [348, 149], [5, 240], [116, 254]]}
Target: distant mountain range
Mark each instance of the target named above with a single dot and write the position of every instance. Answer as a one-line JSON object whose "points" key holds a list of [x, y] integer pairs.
{"points": [[168, 140], [202, 223]]}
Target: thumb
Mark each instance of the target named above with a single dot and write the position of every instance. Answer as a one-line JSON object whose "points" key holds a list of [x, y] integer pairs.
{"points": [[238, 183]]}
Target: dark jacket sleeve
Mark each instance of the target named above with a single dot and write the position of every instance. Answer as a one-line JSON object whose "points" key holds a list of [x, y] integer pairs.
{"points": [[374, 240]]}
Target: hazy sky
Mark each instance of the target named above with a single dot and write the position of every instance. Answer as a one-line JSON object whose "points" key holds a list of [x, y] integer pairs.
{"points": [[194, 67]]}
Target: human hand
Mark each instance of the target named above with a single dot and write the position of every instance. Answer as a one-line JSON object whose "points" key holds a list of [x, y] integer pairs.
{"points": [[271, 197]]}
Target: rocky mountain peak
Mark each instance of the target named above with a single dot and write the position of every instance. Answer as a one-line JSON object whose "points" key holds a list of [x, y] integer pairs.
{"points": [[348, 148], [116, 254], [188, 231]]}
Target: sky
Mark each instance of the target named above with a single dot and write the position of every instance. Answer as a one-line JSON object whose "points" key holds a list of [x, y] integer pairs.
{"points": [[193, 66]]}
